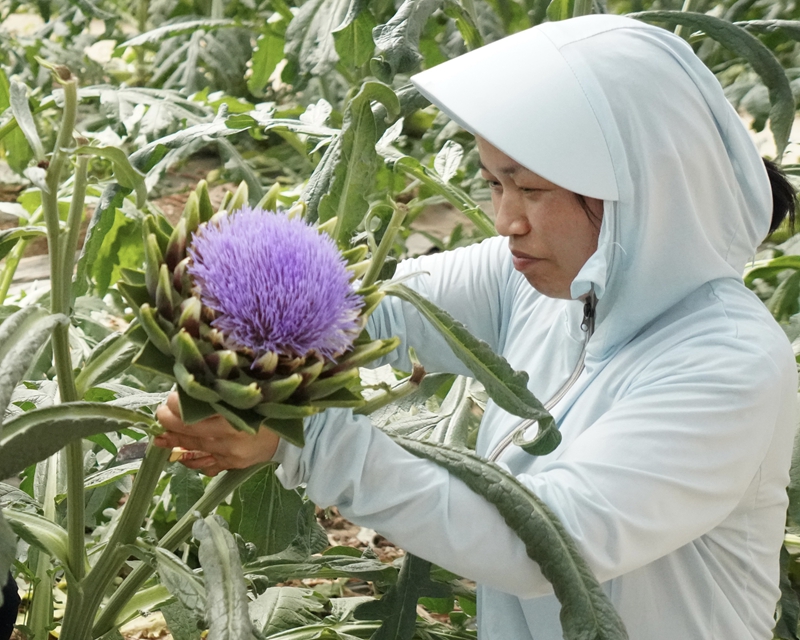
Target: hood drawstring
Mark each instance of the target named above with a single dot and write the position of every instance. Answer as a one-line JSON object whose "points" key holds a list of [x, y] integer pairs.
{"points": [[587, 325]]}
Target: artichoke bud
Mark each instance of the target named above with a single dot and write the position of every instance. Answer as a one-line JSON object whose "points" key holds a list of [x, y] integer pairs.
{"points": [[191, 386], [189, 317], [223, 206], [266, 364], [279, 411], [280, 389], [191, 214], [181, 279], [366, 353], [223, 363], [329, 226], [176, 249], [151, 225], [311, 372], [204, 201], [186, 352], [356, 254], [240, 396], [359, 268], [239, 198], [322, 387], [154, 259], [371, 303], [153, 329], [166, 297]]}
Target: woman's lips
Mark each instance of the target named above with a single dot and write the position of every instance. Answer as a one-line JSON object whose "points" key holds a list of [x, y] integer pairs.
{"points": [[522, 260]]}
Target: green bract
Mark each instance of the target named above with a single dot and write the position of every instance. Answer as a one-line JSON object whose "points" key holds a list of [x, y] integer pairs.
{"points": [[274, 389]]}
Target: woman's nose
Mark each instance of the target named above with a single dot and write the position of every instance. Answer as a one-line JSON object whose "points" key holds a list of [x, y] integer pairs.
{"points": [[509, 216]]}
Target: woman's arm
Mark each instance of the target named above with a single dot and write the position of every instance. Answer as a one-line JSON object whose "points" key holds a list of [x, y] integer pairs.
{"points": [[470, 283]]}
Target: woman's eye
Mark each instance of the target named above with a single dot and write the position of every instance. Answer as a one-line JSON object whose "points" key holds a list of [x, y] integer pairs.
{"points": [[494, 185]]}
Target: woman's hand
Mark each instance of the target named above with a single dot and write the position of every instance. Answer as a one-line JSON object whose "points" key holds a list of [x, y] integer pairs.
{"points": [[213, 443]]}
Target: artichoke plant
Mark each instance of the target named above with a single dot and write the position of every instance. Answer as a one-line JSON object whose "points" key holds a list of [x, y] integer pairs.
{"points": [[254, 314]]}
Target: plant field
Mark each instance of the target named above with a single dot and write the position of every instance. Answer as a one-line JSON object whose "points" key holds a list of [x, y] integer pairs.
{"points": [[125, 126]]}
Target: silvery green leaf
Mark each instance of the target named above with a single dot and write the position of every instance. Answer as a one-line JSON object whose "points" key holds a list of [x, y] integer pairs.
{"points": [[189, 26], [317, 114], [283, 608], [181, 582], [107, 476], [39, 532], [38, 177], [227, 604], [390, 135], [21, 337], [22, 112], [398, 40], [39, 433], [448, 160], [310, 47]]}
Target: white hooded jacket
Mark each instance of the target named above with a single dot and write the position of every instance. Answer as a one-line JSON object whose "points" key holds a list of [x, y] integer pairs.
{"points": [[677, 435]]}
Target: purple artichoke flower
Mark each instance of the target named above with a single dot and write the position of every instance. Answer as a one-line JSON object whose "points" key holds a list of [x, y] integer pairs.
{"points": [[276, 284]]}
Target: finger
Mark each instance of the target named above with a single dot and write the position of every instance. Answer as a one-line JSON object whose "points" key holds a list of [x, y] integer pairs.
{"points": [[174, 403]]}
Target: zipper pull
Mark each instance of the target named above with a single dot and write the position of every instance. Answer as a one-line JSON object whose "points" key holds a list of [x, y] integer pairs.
{"points": [[588, 313]]}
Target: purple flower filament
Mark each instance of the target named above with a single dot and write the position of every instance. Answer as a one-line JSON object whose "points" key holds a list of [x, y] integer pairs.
{"points": [[276, 284]]}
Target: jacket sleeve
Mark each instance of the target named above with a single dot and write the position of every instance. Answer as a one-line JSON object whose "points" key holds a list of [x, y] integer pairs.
{"points": [[665, 464], [469, 283]]}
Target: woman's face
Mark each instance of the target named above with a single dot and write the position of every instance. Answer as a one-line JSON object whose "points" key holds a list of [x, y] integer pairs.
{"points": [[549, 233]]}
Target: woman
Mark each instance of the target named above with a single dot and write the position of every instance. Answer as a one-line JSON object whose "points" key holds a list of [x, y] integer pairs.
{"points": [[628, 198]]}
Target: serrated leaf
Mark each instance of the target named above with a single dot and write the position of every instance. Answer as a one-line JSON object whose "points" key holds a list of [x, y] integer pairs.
{"points": [[586, 611], [508, 388], [398, 40], [22, 112], [397, 608], [265, 513], [39, 433], [310, 45], [10, 237], [278, 568], [155, 36], [790, 28], [448, 160], [358, 163], [353, 37], [283, 608], [227, 603], [742, 43], [124, 172], [181, 582], [21, 337]]}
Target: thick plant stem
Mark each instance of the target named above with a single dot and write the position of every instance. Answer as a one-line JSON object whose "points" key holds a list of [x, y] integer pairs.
{"points": [[406, 388], [78, 622], [74, 219], [385, 246], [219, 489]]}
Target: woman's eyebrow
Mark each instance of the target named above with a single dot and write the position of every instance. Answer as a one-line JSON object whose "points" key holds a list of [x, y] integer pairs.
{"points": [[510, 170]]}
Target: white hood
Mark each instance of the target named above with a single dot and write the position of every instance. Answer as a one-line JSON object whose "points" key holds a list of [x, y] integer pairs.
{"points": [[612, 108]]}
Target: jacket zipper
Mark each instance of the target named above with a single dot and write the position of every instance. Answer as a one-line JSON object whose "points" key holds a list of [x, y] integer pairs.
{"points": [[587, 325]]}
